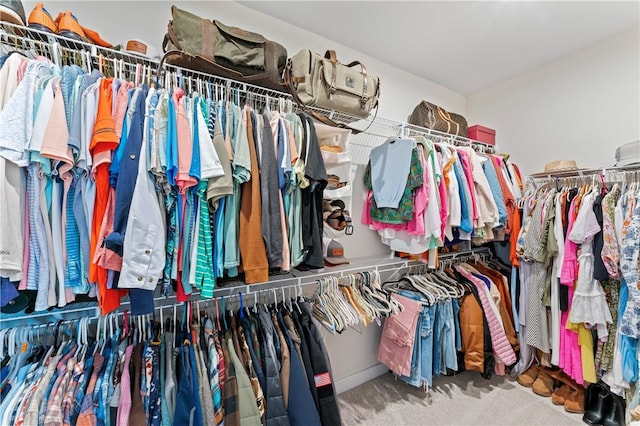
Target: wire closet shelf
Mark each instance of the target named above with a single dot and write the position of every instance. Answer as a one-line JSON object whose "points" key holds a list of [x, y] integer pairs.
{"points": [[608, 175], [66, 51]]}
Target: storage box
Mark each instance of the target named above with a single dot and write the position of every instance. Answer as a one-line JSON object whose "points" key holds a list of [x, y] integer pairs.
{"points": [[482, 134]]}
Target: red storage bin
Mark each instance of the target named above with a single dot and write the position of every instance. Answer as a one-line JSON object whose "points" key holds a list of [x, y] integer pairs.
{"points": [[482, 134]]}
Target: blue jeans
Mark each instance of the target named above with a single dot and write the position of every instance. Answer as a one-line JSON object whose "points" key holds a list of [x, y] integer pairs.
{"points": [[447, 339], [422, 358], [456, 321]]}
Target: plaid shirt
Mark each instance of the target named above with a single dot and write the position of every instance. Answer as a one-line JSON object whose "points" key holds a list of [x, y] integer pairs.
{"points": [[221, 364], [214, 380], [230, 394], [30, 396], [54, 415], [83, 381], [61, 366], [87, 415], [67, 404]]}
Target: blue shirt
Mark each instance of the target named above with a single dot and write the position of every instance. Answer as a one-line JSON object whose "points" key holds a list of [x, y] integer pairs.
{"points": [[496, 190], [390, 166], [194, 170], [465, 223], [172, 143]]}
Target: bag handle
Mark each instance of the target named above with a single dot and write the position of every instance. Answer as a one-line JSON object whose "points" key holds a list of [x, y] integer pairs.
{"points": [[170, 36], [333, 58], [365, 83], [289, 82]]}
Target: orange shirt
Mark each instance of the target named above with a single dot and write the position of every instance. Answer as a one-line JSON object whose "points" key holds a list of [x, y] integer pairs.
{"points": [[252, 250], [103, 141]]}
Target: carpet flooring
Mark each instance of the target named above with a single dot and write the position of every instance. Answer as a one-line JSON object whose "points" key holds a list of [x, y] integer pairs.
{"points": [[464, 399]]}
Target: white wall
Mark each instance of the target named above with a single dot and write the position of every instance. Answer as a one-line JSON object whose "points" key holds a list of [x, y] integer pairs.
{"points": [[580, 107], [353, 354]]}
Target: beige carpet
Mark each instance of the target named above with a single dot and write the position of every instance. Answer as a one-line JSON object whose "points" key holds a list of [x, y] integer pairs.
{"points": [[465, 399]]}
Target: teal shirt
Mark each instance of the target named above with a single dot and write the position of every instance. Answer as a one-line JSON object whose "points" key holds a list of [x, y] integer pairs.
{"points": [[232, 204]]}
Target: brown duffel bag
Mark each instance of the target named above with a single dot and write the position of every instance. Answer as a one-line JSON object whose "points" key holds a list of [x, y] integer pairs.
{"points": [[431, 116], [214, 48]]}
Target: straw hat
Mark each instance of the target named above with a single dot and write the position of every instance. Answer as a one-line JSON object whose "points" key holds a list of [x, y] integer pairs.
{"points": [[558, 167]]}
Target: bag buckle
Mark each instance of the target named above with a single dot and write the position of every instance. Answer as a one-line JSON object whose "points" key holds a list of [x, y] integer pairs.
{"points": [[363, 99]]}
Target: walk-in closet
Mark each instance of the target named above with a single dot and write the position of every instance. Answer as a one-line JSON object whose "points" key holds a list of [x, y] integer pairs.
{"points": [[273, 213]]}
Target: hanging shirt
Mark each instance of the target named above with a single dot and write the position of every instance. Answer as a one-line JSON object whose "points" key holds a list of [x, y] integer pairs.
{"points": [[250, 241], [184, 180], [219, 186], [312, 197], [404, 211], [390, 164]]}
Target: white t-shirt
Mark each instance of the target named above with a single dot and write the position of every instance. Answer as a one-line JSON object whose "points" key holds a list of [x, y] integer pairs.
{"points": [[11, 220]]}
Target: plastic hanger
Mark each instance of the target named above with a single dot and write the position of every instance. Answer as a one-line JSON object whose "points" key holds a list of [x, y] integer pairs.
{"points": [[255, 302], [328, 303], [340, 306], [321, 312], [351, 316], [240, 311], [370, 310]]}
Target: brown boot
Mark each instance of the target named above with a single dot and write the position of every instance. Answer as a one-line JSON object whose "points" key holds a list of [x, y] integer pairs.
{"points": [[575, 401], [543, 385], [527, 378], [635, 413], [559, 397]]}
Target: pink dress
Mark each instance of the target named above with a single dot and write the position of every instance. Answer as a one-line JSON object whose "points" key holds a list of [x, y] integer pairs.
{"points": [[570, 355]]}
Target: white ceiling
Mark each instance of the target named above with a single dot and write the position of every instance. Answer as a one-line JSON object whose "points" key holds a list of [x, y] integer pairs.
{"points": [[466, 46]]}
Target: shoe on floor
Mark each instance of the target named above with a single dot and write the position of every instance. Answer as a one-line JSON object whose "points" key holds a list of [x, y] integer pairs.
{"points": [[559, 396], [635, 413], [575, 401], [41, 20], [543, 385], [12, 11], [527, 378]]}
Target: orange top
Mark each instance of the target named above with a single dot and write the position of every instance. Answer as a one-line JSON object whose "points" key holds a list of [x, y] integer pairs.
{"points": [[103, 141], [513, 238], [252, 250]]}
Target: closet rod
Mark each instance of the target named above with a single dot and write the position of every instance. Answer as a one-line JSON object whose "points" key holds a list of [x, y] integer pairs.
{"points": [[383, 129], [249, 299], [444, 258], [607, 174], [381, 265], [464, 253]]}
